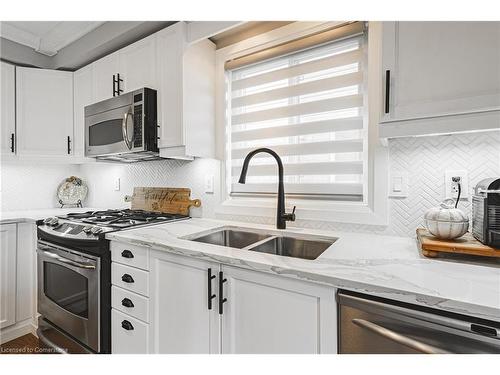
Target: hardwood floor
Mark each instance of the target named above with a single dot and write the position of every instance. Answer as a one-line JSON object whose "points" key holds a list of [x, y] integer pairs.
{"points": [[27, 344]]}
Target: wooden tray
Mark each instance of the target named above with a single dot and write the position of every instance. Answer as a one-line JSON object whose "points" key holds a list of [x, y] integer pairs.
{"points": [[168, 200], [431, 246]]}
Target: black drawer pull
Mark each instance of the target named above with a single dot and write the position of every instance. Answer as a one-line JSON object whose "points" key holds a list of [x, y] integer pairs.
{"points": [[12, 143], [210, 296], [222, 300], [127, 325], [127, 254], [127, 303], [126, 278], [387, 90]]}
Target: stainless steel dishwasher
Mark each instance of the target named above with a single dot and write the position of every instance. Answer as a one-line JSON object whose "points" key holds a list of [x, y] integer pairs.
{"points": [[370, 325]]}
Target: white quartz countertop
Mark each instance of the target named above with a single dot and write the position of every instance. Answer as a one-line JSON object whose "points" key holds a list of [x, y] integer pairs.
{"points": [[33, 215], [385, 266]]}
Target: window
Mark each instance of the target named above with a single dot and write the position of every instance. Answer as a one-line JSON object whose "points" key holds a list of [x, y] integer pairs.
{"points": [[308, 106]]}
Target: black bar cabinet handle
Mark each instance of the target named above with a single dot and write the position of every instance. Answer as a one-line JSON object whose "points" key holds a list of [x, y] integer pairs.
{"points": [[127, 303], [12, 141], [127, 325], [210, 296], [69, 145], [387, 90], [222, 300], [127, 254], [114, 85], [126, 278]]}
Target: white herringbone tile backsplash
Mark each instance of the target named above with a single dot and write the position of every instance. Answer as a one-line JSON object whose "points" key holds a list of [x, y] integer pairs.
{"points": [[424, 158]]}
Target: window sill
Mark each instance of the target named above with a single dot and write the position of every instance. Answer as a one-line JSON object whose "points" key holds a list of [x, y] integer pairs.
{"points": [[355, 213]]}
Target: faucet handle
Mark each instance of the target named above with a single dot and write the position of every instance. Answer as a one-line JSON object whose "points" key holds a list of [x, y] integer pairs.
{"points": [[291, 217]]}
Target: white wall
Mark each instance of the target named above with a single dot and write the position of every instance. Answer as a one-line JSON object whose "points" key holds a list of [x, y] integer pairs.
{"points": [[424, 158], [28, 186]]}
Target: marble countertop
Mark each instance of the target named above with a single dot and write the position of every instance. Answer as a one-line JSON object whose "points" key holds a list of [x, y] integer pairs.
{"points": [[385, 266], [7, 217]]}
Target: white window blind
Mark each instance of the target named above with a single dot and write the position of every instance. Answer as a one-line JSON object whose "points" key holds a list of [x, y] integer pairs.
{"points": [[308, 107]]}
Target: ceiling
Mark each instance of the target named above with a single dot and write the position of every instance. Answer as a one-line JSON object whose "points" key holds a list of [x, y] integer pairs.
{"points": [[46, 37]]}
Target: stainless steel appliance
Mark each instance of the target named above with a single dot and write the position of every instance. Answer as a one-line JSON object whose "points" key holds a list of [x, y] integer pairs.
{"points": [[74, 276], [486, 212], [370, 325], [123, 128]]}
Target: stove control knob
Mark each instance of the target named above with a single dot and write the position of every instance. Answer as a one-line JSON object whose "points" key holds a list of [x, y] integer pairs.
{"points": [[54, 221], [47, 220], [96, 230], [87, 229]]}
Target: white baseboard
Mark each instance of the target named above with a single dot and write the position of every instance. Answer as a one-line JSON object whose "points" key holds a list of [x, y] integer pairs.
{"points": [[17, 330]]}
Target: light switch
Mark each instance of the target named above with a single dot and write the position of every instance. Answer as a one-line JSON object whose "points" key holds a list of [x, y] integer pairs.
{"points": [[398, 184], [117, 184], [209, 184]]}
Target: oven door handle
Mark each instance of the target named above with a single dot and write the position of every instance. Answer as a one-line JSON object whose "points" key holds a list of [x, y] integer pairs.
{"points": [[398, 338], [128, 142], [68, 261]]}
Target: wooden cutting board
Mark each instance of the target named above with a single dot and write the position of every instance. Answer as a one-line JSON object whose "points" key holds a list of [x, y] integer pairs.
{"points": [[168, 200], [431, 246]]}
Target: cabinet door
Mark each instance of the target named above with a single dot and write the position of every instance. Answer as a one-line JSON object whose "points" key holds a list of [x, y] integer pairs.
{"points": [[44, 111], [83, 96], [171, 43], [102, 76], [271, 314], [138, 65], [181, 321], [439, 68], [8, 109], [8, 249]]}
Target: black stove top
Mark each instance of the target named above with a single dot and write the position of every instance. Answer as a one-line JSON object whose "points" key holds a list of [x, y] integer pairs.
{"points": [[121, 218]]}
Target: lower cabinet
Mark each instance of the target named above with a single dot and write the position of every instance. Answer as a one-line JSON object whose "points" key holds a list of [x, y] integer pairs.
{"points": [[182, 319], [204, 307], [8, 250], [276, 315]]}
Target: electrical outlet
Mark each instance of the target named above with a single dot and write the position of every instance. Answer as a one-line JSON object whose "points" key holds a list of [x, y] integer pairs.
{"points": [[452, 179]]}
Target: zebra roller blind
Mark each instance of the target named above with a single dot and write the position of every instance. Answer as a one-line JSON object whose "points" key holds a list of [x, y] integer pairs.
{"points": [[308, 106]]}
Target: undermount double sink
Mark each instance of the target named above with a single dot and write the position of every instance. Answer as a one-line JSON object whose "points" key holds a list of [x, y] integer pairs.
{"points": [[260, 241]]}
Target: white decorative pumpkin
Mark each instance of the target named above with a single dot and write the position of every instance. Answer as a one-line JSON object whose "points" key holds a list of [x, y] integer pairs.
{"points": [[446, 221]]}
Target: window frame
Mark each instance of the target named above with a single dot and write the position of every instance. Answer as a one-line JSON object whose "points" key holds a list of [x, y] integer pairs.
{"points": [[373, 208]]}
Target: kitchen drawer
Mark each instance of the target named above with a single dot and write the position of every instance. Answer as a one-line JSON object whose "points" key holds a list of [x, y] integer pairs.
{"points": [[139, 304], [139, 279], [130, 255], [128, 341]]}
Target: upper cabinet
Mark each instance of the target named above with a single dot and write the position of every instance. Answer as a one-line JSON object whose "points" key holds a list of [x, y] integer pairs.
{"points": [[44, 111], [440, 77], [104, 77], [8, 109], [186, 94]]}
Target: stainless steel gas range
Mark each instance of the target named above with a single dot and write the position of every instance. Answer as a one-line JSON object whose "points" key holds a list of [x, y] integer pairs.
{"points": [[74, 276]]}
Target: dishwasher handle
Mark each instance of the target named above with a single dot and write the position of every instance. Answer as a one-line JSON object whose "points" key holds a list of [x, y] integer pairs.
{"points": [[399, 338]]}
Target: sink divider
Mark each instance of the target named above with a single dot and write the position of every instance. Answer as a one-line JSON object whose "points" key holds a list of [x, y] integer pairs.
{"points": [[255, 244]]}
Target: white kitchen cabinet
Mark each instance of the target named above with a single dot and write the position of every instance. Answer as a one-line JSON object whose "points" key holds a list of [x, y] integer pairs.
{"points": [[44, 109], [443, 77], [137, 65], [181, 321], [186, 94], [8, 109], [17, 280], [82, 96], [8, 250], [104, 71], [273, 314], [128, 335]]}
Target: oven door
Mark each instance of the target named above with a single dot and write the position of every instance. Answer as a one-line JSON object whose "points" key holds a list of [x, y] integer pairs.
{"points": [[68, 292], [110, 132]]}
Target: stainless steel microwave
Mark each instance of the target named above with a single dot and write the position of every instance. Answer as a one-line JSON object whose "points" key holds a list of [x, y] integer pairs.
{"points": [[123, 128]]}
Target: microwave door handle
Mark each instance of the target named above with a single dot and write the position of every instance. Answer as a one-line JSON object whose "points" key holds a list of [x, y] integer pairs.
{"points": [[68, 261], [127, 141], [398, 338]]}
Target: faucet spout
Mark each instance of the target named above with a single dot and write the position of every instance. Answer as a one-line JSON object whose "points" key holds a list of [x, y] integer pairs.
{"points": [[281, 216]]}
